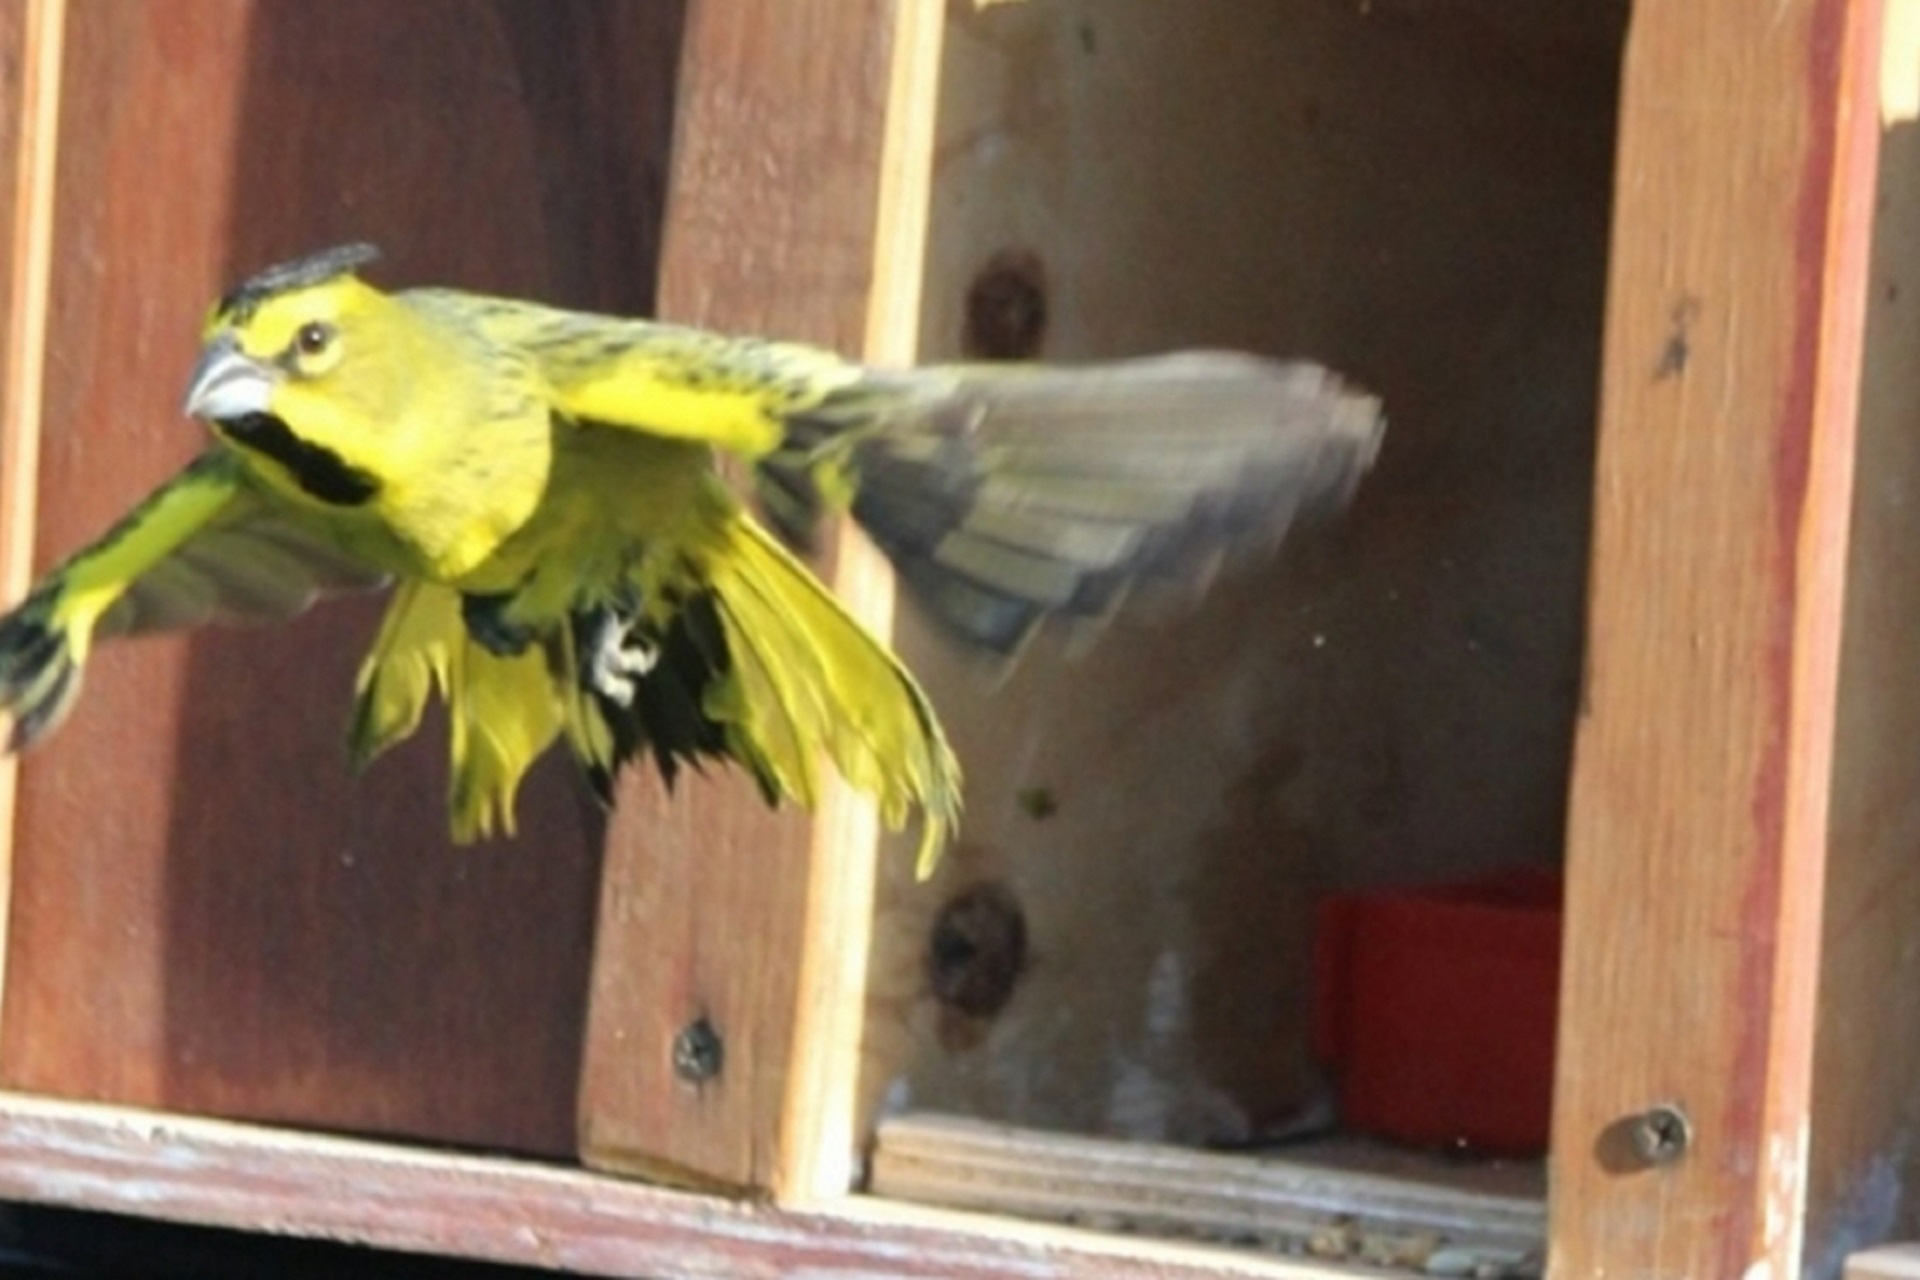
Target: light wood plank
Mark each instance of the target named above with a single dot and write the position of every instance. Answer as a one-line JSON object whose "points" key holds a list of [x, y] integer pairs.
{"points": [[822, 1118], [1281, 1200], [230, 1175], [33, 34], [1698, 829], [797, 209]]}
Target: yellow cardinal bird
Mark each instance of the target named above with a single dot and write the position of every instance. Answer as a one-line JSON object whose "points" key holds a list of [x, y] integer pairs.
{"points": [[541, 486]]}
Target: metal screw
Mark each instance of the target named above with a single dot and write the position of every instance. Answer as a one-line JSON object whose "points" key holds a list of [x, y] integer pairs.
{"points": [[698, 1052], [1661, 1135]]}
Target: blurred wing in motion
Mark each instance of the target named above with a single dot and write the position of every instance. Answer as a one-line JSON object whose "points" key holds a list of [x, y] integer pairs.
{"points": [[1006, 495]]}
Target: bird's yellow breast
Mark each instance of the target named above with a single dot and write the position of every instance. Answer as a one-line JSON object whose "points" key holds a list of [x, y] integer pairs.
{"points": [[615, 502], [484, 475]]}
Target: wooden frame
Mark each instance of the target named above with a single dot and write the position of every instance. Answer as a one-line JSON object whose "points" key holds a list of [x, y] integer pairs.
{"points": [[1699, 838], [221, 1174], [217, 1022], [725, 916], [26, 205], [1866, 1043]]}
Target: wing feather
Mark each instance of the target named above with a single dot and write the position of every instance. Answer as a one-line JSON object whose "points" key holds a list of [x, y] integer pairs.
{"points": [[205, 546], [255, 562], [1008, 494], [733, 393]]}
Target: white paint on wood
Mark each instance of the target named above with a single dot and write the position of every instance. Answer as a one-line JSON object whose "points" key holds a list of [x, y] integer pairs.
{"points": [[1900, 62], [1783, 1211], [1886, 1262]]}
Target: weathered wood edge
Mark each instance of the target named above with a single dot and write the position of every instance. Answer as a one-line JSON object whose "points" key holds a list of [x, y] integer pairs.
{"points": [[30, 249], [1274, 1197], [716, 914], [217, 1173], [1660, 926], [821, 1119]]}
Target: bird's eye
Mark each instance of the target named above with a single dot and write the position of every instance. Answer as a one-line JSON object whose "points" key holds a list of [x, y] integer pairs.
{"points": [[313, 338]]}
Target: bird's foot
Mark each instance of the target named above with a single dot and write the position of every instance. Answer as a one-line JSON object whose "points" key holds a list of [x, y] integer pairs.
{"points": [[616, 658]]}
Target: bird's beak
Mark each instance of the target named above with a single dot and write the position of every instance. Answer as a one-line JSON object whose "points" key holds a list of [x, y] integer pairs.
{"points": [[227, 383]]}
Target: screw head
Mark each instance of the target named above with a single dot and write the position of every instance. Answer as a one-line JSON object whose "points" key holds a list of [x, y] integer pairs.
{"points": [[698, 1052], [1661, 1135]]}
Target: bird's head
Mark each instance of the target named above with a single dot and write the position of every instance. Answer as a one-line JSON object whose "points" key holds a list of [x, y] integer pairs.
{"points": [[297, 371]]}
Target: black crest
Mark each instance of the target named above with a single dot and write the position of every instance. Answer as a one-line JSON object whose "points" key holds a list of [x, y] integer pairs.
{"points": [[238, 306]]}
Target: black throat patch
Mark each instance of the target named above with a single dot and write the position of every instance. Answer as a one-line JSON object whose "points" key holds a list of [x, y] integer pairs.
{"points": [[319, 471]]}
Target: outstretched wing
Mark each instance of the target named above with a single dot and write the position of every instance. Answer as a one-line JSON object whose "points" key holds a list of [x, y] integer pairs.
{"points": [[205, 546], [1005, 495]]}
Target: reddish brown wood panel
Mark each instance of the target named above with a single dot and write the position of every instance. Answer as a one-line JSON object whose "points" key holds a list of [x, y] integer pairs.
{"points": [[462, 1206], [32, 39], [1698, 825], [13, 90], [210, 914], [772, 228], [1864, 1182], [32, 45]]}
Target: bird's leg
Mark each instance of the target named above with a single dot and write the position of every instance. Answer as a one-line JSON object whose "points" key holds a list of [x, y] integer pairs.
{"points": [[487, 622], [613, 657]]}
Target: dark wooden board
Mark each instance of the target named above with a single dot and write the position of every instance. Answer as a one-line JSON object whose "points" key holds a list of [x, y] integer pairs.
{"points": [[210, 914]]}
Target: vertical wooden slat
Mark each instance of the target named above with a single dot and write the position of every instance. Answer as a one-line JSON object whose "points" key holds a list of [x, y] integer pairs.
{"points": [[822, 1109], [33, 36], [796, 210], [1864, 1179], [211, 913], [1698, 823]]}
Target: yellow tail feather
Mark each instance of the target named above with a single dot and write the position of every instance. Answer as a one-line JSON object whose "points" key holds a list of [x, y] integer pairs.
{"points": [[504, 712], [807, 676]]}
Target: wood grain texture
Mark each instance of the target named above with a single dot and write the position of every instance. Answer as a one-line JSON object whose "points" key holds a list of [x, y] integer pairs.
{"points": [[715, 908], [824, 1131], [1698, 826], [231, 1175], [1392, 700], [1864, 1177], [1381, 1205], [211, 914], [32, 53]]}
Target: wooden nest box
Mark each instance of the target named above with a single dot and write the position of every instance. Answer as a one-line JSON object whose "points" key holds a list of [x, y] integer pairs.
{"points": [[1633, 593]]}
